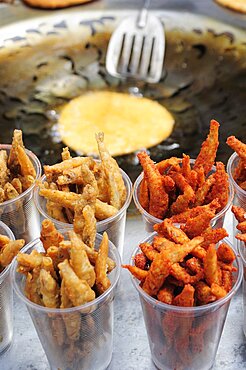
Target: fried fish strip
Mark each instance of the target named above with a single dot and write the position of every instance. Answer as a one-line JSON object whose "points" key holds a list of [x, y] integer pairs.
{"points": [[109, 168], [220, 189], [49, 236], [225, 253], [102, 280], [203, 293], [195, 226], [17, 141], [16, 183], [208, 151], [172, 232], [77, 290], [10, 250], [183, 200], [4, 239], [144, 194], [193, 212], [238, 146], [66, 154], [149, 251], [211, 266], [81, 264], [68, 164], [104, 210], [4, 171], [49, 289], [32, 287], [166, 294], [9, 191], [91, 253], [137, 272], [202, 192], [239, 213], [28, 262], [90, 227], [26, 166], [186, 297], [158, 198], [26, 181]]}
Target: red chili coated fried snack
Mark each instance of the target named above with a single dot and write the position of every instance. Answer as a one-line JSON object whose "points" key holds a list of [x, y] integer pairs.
{"points": [[206, 157]]}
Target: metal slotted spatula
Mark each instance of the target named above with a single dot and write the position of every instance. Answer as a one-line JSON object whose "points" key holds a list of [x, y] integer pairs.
{"points": [[136, 48]]}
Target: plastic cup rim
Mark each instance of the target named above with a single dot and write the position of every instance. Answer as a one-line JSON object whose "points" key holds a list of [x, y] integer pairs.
{"points": [[83, 307], [156, 220], [232, 158], [9, 233], [197, 309], [99, 223], [241, 248], [38, 174]]}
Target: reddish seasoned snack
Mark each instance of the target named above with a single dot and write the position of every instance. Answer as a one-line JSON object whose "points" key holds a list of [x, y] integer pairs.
{"points": [[240, 214], [182, 271], [178, 188], [239, 147], [158, 198], [185, 258]]}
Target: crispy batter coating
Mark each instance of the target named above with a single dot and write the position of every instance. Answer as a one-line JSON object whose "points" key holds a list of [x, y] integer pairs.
{"points": [[102, 280], [220, 188], [49, 236], [211, 266], [77, 290], [9, 251], [158, 198], [208, 151], [238, 146], [81, 265], [49, 289], [117, 189], [144, 194], [186, 297]]}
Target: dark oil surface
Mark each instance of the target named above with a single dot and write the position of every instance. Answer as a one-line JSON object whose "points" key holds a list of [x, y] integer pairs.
{"points": [[204, 78]]}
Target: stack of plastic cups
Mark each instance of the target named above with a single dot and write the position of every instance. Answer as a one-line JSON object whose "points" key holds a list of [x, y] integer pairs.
{"points": [[6, 299], [184, 337], [114, 226], [77, 337], [240, 194], [242, 252], [20, 213]]}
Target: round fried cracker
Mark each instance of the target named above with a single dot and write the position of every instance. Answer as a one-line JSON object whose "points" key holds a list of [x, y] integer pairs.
{"points": [[237, 5], [129, 123], [54, 4]]}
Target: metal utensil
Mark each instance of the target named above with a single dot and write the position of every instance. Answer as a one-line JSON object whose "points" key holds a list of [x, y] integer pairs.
{"points": [[137, 47]]}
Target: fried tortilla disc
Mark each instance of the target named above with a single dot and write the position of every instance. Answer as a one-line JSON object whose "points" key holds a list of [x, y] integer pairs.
{"points": [[237, 5], [120, 116]]}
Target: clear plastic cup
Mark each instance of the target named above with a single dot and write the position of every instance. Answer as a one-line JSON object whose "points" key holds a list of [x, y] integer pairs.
{"points": [[240, 194], [150, 220], [6, 300], [242, 251], [114, 226], [20, 213], [184, 337], [91, 348]]}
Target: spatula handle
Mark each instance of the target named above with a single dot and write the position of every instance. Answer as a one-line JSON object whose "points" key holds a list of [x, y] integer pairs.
{"points": [[142, 19]]}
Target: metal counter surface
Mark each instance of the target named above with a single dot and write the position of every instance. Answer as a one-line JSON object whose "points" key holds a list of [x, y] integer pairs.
{"points": [[131, 350]]}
